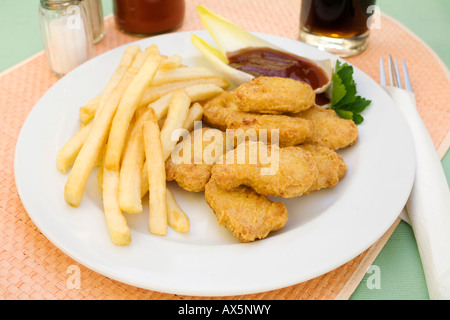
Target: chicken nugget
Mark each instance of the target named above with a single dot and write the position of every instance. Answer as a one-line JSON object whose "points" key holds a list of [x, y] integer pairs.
{"points": [[222, 112], [275, 95], [192, 159], [329, 129], [248, 215], [330, 165], [290, 131], [269, 170], [217, 109]]}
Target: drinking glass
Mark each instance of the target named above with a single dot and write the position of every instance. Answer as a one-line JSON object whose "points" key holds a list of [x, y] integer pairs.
{"points": [[338, 26]]}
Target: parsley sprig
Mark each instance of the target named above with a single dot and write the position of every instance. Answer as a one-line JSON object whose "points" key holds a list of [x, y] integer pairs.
{"points": [[344, 100]]}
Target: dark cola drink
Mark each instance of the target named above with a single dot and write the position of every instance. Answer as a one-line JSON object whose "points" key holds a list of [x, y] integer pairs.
{"points": [[338, 26]]}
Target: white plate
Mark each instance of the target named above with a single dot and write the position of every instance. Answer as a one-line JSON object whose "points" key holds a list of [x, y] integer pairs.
{"points": [[325, 229]]}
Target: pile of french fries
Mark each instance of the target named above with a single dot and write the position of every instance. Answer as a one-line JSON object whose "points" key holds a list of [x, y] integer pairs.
{"points": [[128, 132]]}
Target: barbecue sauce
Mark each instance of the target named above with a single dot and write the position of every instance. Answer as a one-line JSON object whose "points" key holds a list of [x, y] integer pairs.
{"points": [[275, 63]]}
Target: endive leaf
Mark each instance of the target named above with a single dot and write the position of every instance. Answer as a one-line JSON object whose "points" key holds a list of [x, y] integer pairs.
{"points": [[207, 49], [228, 36], [220, 62]]}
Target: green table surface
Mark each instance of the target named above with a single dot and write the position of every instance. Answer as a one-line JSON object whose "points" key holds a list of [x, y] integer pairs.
{"points": [[397, 273]]}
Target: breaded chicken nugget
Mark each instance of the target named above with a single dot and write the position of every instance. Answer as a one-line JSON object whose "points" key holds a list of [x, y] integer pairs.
{"points": [[222, 112], [329, 129], [290, 131], [330, 165], [248, 215], [271, 171], [274, 95], [192, 171], [217, 109]]}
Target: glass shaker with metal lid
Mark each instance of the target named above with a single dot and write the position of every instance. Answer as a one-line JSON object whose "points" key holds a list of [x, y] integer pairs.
{"points": [[95, 18], [66, 34]]}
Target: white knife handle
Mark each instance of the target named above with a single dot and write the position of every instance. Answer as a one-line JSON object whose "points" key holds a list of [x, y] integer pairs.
{"points": [[429, 203]]}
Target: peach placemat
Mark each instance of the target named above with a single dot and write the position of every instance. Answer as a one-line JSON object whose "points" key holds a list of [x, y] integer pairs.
{"points": [[31, 267]]}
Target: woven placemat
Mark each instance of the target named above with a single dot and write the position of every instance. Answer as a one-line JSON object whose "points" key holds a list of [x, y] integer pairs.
{"points": [[31, 267]]}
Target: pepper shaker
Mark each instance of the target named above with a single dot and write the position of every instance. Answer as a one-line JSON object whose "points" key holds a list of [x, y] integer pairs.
{"points": [[66, 34], [96, 20]]}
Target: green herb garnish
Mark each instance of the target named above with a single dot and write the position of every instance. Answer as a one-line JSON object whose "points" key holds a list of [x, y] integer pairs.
{"points": [[344, 100]]}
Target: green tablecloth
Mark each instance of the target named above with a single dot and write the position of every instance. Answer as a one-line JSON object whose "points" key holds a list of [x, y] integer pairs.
{"points": [[398, 265]]}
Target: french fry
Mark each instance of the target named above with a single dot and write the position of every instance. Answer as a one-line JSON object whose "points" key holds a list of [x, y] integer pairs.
{"points": [[100, 177], [154, 92], [176, 116], [89, 110], [68, 153], [127, 60], [181, 74], [130, 199], [157, 178], [161, 105], [86, 159], [140, 111], [116, 222], [176, 217], [127, 107], [128, 131], [195, 114], [202, 91], [172, 62], [100, 157], [144, 180], [159, 108], [100, 169], [196, 92]]}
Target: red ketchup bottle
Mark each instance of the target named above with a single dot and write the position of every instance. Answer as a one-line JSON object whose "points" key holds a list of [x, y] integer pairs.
{"points": [[148, 17]]}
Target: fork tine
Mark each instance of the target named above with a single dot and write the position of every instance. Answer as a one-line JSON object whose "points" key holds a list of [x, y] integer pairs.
{"points": [[408, 85], [397, 73], [392, 74], [382, 74], [391, 78]]}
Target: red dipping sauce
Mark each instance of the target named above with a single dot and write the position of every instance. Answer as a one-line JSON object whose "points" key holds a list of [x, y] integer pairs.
{"points": [[145, 17], [275, 63]]}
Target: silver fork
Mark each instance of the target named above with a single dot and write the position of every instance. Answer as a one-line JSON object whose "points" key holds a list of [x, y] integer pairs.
{"points": [[394, 74], [428, 206]]}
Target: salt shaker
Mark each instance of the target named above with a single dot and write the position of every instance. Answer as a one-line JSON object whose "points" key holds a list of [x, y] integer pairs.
{"points": [[66, 34]]}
